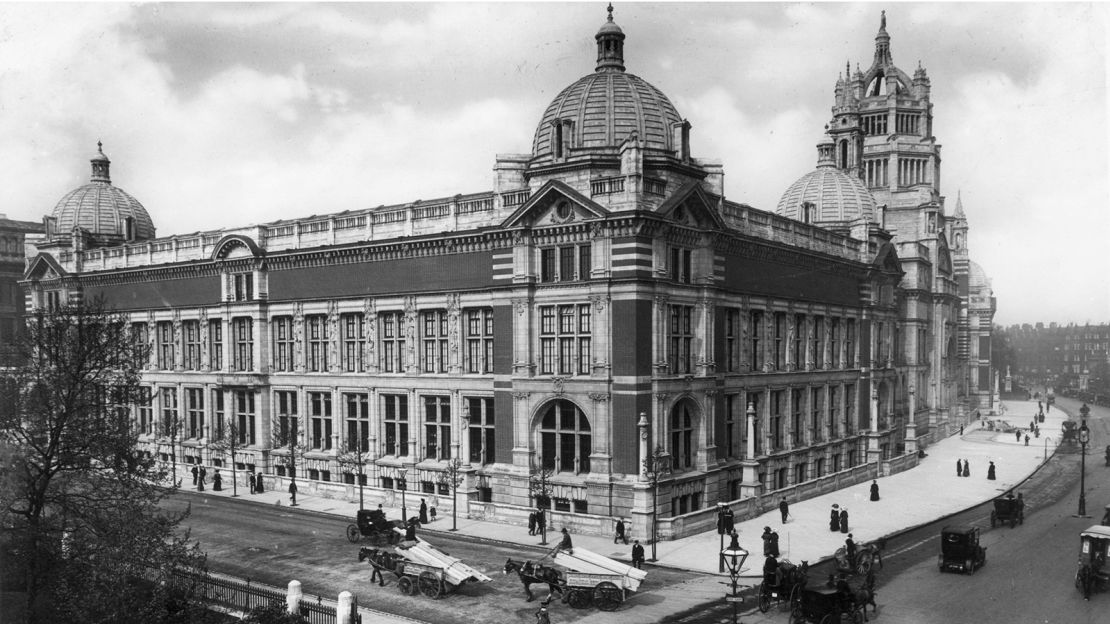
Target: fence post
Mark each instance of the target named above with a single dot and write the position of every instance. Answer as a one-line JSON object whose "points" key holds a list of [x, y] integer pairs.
{"points": [[293, 598], [343, 608]]}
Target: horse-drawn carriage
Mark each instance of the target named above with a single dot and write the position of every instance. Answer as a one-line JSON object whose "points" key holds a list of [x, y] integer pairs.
{"points": [[1094, 550], [421, 568], [589, 578], [960, 549], [826, 605], [371, 523], [868, 556], [789, 580], [1008, 509]]}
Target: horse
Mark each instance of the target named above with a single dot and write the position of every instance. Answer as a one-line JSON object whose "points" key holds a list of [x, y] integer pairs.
{"points": [[531, 572], [865, 594], [379, 559]]}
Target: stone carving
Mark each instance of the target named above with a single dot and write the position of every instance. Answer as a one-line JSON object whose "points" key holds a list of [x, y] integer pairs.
{"points": [[558, 385], [298, 337], [521, 306], [600, 397], [370, 314]]}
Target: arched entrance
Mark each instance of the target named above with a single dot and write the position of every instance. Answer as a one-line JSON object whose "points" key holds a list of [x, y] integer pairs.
{"points": [[565, 437], [683, 434]]}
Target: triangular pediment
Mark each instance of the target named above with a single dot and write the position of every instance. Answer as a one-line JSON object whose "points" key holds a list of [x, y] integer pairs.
{"points": [[944, 255], [691, 205], [553, 204], [887, 259], [44, 267]]}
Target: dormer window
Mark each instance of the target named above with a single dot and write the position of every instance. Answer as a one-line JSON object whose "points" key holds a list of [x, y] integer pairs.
{"points": [[567, 263], [243, 286]]}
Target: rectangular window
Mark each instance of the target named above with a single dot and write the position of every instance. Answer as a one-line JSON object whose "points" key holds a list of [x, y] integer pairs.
{"points": [[316, 338], [194, 408], [565, 340], [834, 412], [242, 329], [796, 422], [732, 340], [319, 413], [218, 417], [681, 265], [244, 286], [818, 342], [395, 417], [776, 419], [799, 345], [834, 342], [354, 337], [392, 342], [734, 423], [144, 405], [140, 340], [357, 415], [286, 417], [780, 341], [850, 343], [216, 344], [816, 406], [849, 408], [434, 340], [479, 341], [191, 331], [437, 427], [282, 329], [244, 416], [165, 345], [568, 263], [755, 320], [481, 431], [682, 340], [170, 423]]}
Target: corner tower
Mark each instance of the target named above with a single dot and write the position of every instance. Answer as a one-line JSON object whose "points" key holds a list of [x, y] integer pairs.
{"points": [[882, 128]]}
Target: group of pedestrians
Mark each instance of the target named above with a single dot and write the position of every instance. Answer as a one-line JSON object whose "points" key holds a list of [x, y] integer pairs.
{"points": [[963, 470], [200, 476], [537, 522]]}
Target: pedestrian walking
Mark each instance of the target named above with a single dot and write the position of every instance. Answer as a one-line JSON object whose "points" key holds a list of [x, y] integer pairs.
{"points": [[990, 472], [194, 471], [432, 513], [1027, 439], [201, 476], [850, 548], [784, 509], [1018, 434], [541, 521], [293, 492], [844, 520], [532, 522], [959, 469], [834, 518], [376, 573], [258, 484], [766, 537], [967, 469], [774, 543], [730, 523], [217, 481], [961, 429], [637, 555], [874, 490], [618, 535], [251, 480], [423, 512]]}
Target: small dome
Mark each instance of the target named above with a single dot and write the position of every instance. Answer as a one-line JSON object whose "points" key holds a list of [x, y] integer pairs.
{"points": [[101, 208], [836, 196], [978, 282]]}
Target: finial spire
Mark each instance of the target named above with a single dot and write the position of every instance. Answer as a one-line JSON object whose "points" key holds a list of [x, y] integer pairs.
{"points": [[610, 11], [100, 164], [610, 45], [882, 44], [882, 23]]}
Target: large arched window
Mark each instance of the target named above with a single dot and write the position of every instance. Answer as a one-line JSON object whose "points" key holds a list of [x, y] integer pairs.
{"points": [[565, 440], [682, 435]]}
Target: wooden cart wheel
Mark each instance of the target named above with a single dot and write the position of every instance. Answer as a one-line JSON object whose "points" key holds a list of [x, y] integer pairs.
{"points": [[429, 585], [608, 596], [352, 533], [764, 598], [578, 598], [863, 563], [405, 585]]}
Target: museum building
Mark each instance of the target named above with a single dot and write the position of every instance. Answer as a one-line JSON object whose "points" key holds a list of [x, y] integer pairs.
{"points": [[602, 323]]}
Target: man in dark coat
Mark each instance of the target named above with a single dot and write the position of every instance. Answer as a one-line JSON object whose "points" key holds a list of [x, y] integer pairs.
{"points": [[194, 471], [293, 493], [258, 484], [990, 471], [959, 469], [784, 509], [410, 531], [729, 523], [834, 518], [565, 543], [770, 573], [619, 536], [637, 555], [252, 482], [874, 490], [850, 549], [423, 512], [532, 522], [201, 476], [844, 520], [541, 520]]}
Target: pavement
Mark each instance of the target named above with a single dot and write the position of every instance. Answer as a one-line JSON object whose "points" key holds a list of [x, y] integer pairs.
{"points": [[924, 494]]}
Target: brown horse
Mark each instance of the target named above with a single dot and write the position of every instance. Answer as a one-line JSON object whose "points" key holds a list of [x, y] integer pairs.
{"points": [[531, 572]]}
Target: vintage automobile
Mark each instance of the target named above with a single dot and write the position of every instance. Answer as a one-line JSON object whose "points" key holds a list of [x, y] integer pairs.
{"points": [[960, 549], [1094, 549], [1008, 510]]}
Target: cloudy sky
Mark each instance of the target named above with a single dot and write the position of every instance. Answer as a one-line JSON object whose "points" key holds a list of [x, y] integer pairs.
{"points": [[220, 115]]}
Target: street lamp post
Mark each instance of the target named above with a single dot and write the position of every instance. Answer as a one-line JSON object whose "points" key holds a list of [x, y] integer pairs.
{"points": [[656, 468], [734, 557], [404, 486], [1084, 437], [541, 490]]}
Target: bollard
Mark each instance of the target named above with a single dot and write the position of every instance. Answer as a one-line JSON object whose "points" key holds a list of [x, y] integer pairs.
{"points": [[293, 598], [343, 608]]}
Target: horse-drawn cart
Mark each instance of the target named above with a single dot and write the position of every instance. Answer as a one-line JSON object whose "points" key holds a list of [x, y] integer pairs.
{"points": [[421, 568], [596, 579], [1008, 510]]}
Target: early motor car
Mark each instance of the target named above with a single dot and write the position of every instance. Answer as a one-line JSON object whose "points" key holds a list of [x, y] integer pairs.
{"points": [[960, 549]]}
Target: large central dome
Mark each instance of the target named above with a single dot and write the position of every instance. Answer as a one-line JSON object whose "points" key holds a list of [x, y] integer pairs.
{"points": [[602, 109], [105, 211]]}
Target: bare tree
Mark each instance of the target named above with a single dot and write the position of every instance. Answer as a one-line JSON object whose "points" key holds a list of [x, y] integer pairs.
{"points": [[288, 434], [353, 460], [226, 441], [80, 502], [452, 477]]}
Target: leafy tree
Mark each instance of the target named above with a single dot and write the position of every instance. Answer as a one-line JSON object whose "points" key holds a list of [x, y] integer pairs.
{"points": [[83, 537]]}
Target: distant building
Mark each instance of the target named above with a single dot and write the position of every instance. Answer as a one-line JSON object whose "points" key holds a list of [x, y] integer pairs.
{"points": [[603, 303], [14, 239], [1065, 356]]}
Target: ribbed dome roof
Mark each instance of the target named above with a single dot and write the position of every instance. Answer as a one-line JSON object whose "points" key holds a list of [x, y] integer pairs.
{"points": [[977, 278], [836, 195], [606, 107], [101, 208], [602, 109]]}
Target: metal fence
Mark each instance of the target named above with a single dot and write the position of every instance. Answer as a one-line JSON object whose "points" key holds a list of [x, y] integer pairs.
{"points": [[244, 596]]}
